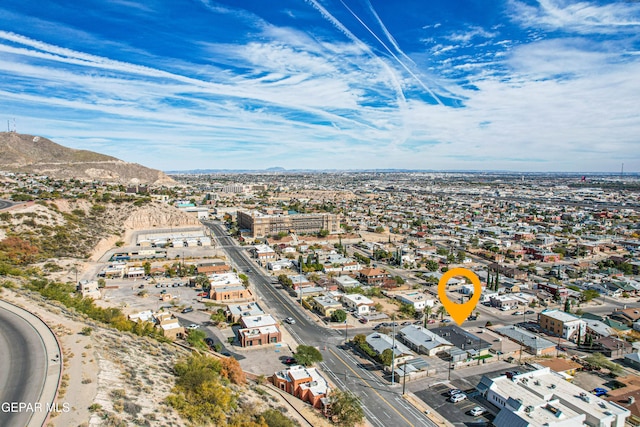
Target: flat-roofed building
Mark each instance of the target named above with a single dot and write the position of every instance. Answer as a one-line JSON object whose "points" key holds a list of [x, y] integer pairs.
{"points": [[358, 302], [423, 341], [235, 311], [258, 330], [417, 299], [543, 398], [325, 305], [212, 267], [381, 342], [304, 383], [531, 343], [562, 324], [260, 224], [346, 282]]}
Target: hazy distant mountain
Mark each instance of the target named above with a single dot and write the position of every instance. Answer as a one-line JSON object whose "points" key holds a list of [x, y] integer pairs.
{"points": [[35, 154]]}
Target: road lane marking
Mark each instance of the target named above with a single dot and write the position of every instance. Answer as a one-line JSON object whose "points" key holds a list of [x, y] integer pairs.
{"points": [[374, 390]]}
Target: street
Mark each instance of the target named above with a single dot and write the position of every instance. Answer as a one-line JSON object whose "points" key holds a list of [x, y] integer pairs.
{"points": [[383, 404]]}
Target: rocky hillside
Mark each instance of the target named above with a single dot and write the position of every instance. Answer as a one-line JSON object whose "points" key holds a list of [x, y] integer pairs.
{"points": [[34, 154]]}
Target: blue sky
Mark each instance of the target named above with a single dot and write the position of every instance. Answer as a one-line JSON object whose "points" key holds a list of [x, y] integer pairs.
{"points": [[523, 85]]}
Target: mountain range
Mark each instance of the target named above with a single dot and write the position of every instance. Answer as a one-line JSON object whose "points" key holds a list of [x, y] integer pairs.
{"points": [[39, 155]]}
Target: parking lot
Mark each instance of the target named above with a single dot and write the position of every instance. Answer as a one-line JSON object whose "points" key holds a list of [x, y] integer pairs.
{"points": [[437, 397]]}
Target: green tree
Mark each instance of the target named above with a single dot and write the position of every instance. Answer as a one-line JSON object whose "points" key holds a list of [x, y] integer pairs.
{"points": [[323, 233], [346, 410], [399, 280], [441, 311], [590, 294], [338, 316], [427, 314], [244, 278], [203, 281], [431, 265], [147, 268], [567, 306], [275, 418], [386, 357], [218, 317], [307, 355], [196, 338], [601, 361], [461, 256], [408, 309]]}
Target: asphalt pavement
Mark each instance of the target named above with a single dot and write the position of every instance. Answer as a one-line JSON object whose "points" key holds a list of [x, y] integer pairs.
{"points": [[4, 204], [383, 404], [30, 368]]}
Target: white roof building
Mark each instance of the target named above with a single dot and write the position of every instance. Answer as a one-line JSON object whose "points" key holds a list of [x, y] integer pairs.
{"points": [[542, 398]]}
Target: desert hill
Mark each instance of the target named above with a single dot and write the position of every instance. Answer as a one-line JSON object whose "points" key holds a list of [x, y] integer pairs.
{"points": [[35, 154]]}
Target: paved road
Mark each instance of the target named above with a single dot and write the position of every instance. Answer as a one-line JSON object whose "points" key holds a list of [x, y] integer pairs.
{"points": [[383, 405], [23, 368], [4, 204]]}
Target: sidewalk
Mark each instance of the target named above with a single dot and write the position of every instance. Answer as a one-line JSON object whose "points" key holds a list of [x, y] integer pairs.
{"points": [[53, 354]]}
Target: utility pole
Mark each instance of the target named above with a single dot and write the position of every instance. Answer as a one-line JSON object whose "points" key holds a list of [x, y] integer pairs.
{"points": [[393, 348], [404, 377]]}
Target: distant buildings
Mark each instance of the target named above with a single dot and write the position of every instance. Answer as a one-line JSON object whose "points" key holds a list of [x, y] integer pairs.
{"points": [[261, 224]]}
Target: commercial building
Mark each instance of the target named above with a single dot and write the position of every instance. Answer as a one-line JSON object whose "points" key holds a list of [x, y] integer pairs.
{"points": [[304, 383], [258, 330], [543, 398], [562, 324], [423, 340], [260, 224]]}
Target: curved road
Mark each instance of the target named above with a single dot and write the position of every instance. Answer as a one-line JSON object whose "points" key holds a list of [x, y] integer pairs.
{"points": [[4, 204], [23, 368]]}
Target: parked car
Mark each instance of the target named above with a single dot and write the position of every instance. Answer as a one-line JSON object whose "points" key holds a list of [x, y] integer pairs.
{"points": [[362, 320], [193, 326], [517, 313], [476, 411], [290, 320], [458, 398], [599, 391], [187, 310], [529, 312], [454, 391], [289, 361], [202, 294]]}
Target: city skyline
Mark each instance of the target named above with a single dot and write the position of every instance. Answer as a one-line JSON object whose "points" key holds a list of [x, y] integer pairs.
{"points": [[510, 85]]}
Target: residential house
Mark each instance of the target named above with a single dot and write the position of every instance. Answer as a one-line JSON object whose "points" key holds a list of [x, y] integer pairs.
{"points": [[626, 316], [304, 383], [345, 283], [612, 347], [416, 299], [373, 276], [358, 302]]}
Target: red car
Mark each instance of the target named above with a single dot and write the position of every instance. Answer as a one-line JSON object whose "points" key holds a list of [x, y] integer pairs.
{"points": [[202, 294], [362, 320]]}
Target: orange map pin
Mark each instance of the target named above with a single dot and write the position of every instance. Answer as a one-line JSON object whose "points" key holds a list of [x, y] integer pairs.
{"points": [[459, 312]]}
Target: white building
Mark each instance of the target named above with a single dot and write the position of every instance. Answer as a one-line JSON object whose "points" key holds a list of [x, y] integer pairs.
{"points": [[543, 398], [360, 303], [417, 299]]}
